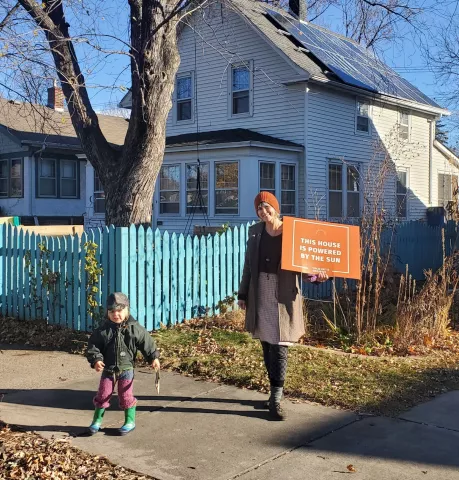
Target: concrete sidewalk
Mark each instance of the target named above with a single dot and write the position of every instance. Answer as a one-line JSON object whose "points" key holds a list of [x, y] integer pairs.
{"points": [[200, 430]]}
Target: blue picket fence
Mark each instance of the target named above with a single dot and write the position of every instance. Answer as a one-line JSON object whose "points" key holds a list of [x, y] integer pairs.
{"points": [[169, 278]]}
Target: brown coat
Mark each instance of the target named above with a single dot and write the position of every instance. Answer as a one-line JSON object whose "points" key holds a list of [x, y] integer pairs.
{"points": [[290, 302]]}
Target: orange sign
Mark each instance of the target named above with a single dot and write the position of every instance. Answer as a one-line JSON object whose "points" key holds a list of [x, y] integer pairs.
{"points": [[310, 246]]}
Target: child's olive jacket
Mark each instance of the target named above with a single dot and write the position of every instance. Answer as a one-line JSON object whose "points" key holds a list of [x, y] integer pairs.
{"points": [[117, 344]]}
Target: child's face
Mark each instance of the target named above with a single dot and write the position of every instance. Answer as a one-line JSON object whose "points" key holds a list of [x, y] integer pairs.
{"points": [[118, 316]]}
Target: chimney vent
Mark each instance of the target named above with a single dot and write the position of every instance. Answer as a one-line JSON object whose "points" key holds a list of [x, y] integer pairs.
{"points": [[55, 98], [298, 9]]}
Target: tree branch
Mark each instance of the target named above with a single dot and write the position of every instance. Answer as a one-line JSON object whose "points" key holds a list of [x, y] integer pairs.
{"points": [[8, 16]]}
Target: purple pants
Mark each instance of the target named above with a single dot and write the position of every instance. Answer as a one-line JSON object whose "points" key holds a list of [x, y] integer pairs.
{"points": [[107, 384]]}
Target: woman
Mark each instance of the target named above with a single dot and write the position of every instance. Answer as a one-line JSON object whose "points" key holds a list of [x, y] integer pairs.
{"points": [[271, 296]]}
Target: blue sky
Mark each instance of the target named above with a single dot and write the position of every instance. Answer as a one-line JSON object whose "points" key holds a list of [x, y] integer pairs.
{"points": [[404, 54]]}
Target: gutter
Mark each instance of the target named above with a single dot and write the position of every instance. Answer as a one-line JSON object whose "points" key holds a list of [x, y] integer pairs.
{"points": [[219, 146], [384, 98]]}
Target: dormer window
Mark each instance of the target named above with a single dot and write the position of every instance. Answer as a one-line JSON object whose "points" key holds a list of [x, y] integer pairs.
{"points": [[240, 94], [184, 97], [362, 117]]}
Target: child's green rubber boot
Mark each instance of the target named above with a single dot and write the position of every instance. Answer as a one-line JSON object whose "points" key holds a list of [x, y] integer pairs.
{"points": [[97, 420], [129, 421]]}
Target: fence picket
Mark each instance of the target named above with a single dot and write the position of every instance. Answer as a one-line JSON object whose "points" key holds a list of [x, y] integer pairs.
{"points": [[188, 277], [83, 292], [210, 274], [132, 292], [173, 280], [69, 279], [27, 299], [229, 263], [181, 279], [21, 296], [202, 274], [63, 252], [14, 283], [3, 265], [166, 279], [222, 266], [196, 308], [9, 273], [149, 279], [217, 298], [141, 276], [76, 284], [158, 279]]}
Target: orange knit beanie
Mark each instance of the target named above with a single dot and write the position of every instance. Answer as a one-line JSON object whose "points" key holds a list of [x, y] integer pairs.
{"points": [[268, 198]]}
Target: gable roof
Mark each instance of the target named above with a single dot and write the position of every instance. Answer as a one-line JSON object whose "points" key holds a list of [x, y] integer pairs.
{"points": [[31, 124], [258, 14]]}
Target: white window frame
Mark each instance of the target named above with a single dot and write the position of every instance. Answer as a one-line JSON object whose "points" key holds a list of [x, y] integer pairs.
{"points": [[178, 214], [75, 162], [249, 66], [295, 169], [356, 116], [97, 192], [406, 125], [344, 191], [407, 197], [190, 74], [238, 188], [197, 210], [267, 162], [56, 173]]}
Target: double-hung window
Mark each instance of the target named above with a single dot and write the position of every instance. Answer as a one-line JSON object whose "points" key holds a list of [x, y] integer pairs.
{"points": [[268, 177], [362, 117], [169, 189], [99, 195], [47, 177], [344, 192], [197, 188], [227, 188], [288, 190], [69, 178], [240, 83], [184, 97], [404, 126], [11, 178]]}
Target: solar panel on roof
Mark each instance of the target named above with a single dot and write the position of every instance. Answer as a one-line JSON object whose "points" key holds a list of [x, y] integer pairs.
{"points": [[349, 61]]}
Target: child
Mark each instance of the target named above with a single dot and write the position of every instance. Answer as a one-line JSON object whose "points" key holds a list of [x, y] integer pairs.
{"points": [[112, 350]]}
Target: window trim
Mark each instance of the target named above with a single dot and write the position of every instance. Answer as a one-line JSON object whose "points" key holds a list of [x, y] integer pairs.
{"points": [[77, 179], [408, 113], [407, 196], [56, 176], [344, 191], [197, 211], [238, 189], [360, 132], [191, 74], [179, 214], [294, 165], [249, 65], [8, 178]]}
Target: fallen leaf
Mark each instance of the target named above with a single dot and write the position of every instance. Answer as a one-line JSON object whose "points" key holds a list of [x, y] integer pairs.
{"points": [[351, 468]]}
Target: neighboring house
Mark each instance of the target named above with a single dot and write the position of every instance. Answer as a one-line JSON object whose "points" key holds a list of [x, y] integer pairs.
{"points": [[265, 103], [42, 172]]}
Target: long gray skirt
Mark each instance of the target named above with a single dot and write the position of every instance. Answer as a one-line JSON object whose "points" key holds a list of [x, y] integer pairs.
{"points": [[267, 328]]}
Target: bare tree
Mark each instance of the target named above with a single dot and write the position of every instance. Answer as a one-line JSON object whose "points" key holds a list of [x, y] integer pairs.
{"points": [[36, 38]]}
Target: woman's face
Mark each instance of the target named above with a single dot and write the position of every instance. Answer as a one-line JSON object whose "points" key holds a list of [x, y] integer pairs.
{"points": [[266, 213]]}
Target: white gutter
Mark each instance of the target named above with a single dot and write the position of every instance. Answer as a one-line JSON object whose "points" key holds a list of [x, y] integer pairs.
{"points": [[384, 98]]}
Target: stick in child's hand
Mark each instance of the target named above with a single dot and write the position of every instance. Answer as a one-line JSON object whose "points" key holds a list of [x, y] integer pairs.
{"points": [[157, 381]]}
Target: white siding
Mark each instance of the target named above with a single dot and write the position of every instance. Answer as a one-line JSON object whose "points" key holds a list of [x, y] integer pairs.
{"points": [[331, 135], [278, 110]]}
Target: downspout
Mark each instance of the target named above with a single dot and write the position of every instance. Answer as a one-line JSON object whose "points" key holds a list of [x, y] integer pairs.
{"points": [[305, 153]]}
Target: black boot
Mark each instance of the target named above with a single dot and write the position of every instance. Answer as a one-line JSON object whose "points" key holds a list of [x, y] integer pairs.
{"points": [[275, 409]]}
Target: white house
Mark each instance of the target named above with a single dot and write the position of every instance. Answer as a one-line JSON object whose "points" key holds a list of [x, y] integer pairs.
{"points": [[265, 101]]}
